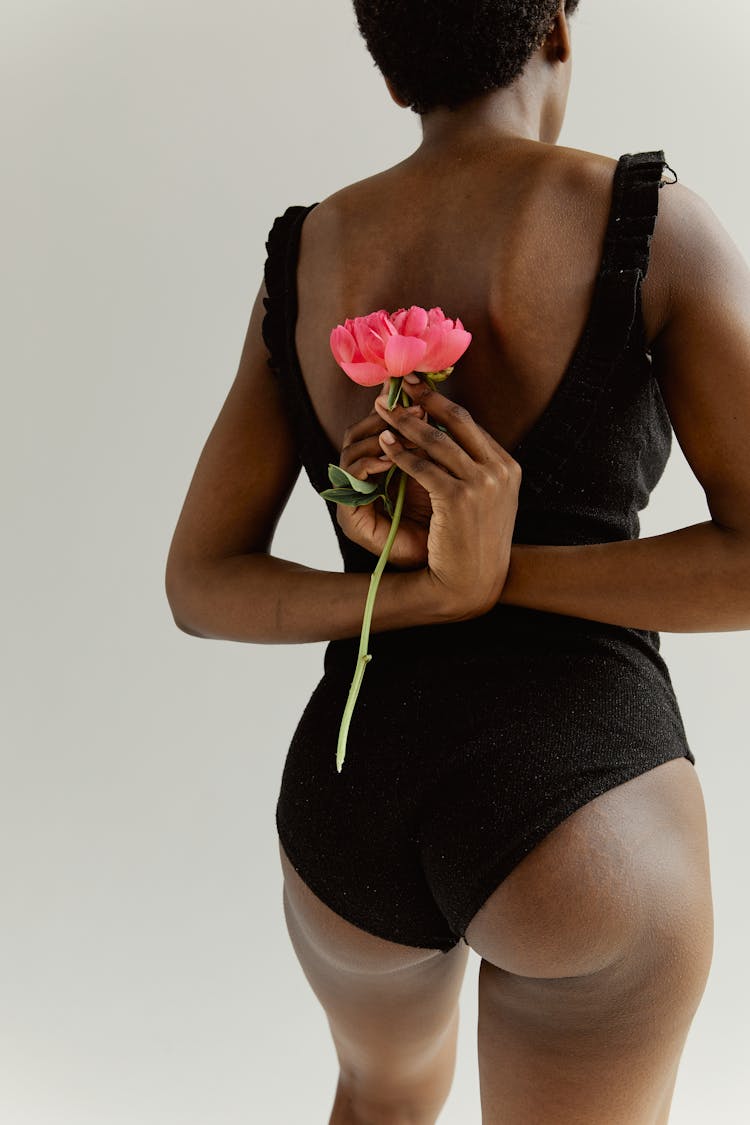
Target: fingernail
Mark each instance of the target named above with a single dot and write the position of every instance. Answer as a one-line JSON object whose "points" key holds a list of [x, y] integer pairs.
{"points": [[412, 378], [387, 436]]}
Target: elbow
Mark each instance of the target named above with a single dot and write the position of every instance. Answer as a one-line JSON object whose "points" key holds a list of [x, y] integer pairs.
{"points": [[176, 588], [184, 627], [735, 572]]}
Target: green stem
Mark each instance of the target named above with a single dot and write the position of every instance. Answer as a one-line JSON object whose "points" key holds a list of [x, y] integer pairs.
{"points": [[363, 657]]}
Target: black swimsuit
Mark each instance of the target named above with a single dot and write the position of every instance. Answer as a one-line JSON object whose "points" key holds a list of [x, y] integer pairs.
{"points": [[470, 741]]}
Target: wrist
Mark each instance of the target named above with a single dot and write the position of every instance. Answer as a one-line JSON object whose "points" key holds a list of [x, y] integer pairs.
{"points": [[513, 588], [434, 605]]}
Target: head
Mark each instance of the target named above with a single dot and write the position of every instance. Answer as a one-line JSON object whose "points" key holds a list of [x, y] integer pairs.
{"points": [[444, 58]]}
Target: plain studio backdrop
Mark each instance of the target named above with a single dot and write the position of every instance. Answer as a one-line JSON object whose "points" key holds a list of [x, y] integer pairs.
{"points": [[146, 973]]}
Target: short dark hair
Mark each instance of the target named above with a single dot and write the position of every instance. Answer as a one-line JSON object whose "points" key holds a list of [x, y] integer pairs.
{"points": [[444, 52]]}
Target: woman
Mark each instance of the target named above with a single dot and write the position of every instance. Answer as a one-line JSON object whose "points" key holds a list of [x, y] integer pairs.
{"points": [[517, 779]]}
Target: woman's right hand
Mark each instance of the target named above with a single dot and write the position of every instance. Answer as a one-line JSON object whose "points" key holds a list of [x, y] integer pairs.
{"points": [[473, 485]]}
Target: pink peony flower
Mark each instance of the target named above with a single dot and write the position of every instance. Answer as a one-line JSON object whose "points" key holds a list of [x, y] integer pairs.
{"points": [[371, 348]]}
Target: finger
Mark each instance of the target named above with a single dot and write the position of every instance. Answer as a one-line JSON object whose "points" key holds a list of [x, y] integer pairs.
{"points": [[372, 459], [365, 467], [428, 473], [363, 428], [441, 447], [365, 442], [477, 442], [370, 425]]}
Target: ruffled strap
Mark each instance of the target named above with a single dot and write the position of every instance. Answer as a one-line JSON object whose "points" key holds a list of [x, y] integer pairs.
{"points": [[275, 278], [278, 327], [627, 249], [628, 241]]}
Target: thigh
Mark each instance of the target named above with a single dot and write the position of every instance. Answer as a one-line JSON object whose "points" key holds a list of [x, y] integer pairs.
{"points": [[599, 1047], [366, 931], [607, 927], [392, 1008]]}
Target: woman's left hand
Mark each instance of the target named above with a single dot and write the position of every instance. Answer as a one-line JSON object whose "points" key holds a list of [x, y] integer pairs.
{"points": [[369, 524]]}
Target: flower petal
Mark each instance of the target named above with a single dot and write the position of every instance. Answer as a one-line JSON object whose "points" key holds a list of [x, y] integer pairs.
{"points": [[436, 316], [403, 354], [433, 338], [371, 344], [415, 322], [454, 345], [380, 323], [366, 374], [343, 345]]}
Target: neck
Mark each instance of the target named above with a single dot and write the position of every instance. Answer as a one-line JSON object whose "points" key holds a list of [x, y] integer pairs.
{"points": [[523, 111]]}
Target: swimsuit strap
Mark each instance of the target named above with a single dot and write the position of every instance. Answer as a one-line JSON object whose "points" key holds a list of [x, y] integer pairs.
{"points": [[627, 247], [278, 327]]}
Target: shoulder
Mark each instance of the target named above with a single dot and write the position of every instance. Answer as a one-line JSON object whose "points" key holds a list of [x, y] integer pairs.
{"points": [[693, 257], [335, 214], [691, 238], [585, 172], [318, 226], [579, 178], [686, 243], [336, 227], [688, 247]]}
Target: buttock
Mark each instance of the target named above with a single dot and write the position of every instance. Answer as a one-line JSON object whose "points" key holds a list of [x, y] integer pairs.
{"points": [[456, 766]]}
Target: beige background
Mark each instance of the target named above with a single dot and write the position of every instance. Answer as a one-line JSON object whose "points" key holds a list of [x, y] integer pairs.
{"points": [[146, 977]]}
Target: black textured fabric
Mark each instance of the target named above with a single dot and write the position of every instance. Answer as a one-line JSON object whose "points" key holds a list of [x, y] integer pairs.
{"points": [[471, 740]]}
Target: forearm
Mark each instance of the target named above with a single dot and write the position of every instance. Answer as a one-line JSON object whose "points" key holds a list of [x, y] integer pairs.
{"points": [[696, 579], [263, 599]]}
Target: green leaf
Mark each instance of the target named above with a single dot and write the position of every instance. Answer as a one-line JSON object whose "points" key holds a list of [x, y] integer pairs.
{"points": [[341, 479], [349, 496], [394, 390], [337, 476]]}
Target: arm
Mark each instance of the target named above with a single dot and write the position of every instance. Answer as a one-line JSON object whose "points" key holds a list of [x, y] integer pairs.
{"points": [[269, 600], [696, 578], [693, 580], [221, 580]]}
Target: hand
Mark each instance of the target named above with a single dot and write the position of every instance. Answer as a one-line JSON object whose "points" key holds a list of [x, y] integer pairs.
{"points": [[369, 525], [473, 485]]}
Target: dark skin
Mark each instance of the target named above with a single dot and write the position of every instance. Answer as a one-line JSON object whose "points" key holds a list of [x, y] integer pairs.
{"points": [[521, 223]]}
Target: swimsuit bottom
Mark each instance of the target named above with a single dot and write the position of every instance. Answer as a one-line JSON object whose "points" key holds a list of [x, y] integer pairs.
{"points": [[468, 743]]}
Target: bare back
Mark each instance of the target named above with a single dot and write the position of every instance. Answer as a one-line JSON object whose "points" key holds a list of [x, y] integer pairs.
{"points": [[509, 239]]}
